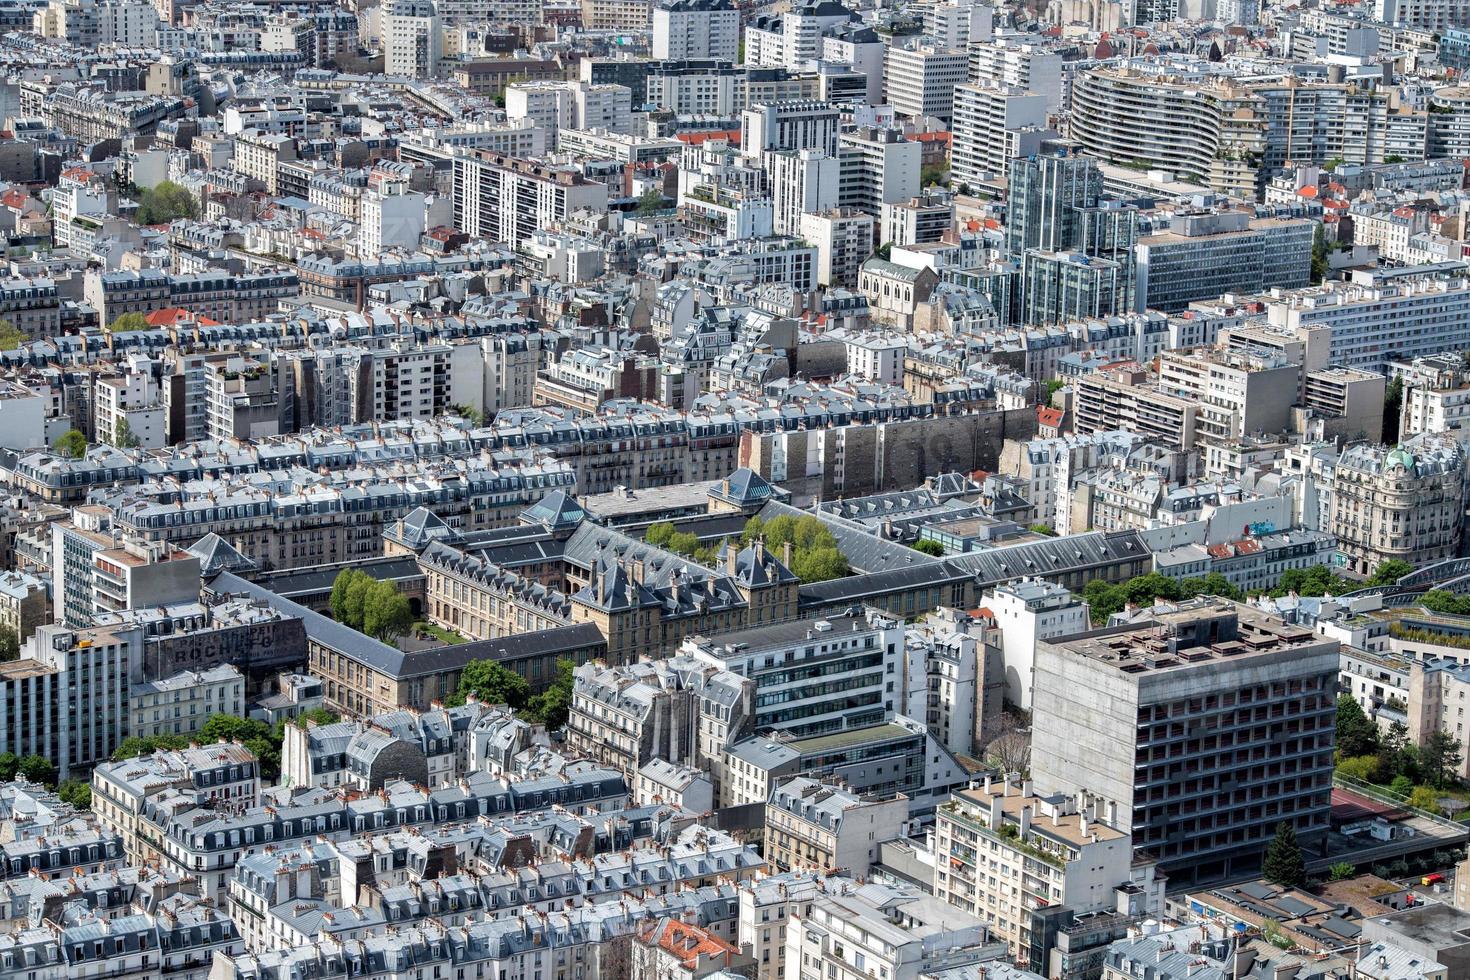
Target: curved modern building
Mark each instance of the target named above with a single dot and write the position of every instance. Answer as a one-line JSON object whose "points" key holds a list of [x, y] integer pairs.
{"points": [[1205, 130], [1229, 126]]}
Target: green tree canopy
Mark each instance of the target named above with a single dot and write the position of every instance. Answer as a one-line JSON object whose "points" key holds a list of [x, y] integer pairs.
{"points": [[129, 321], [1390, 572], [650, 201], [1440, 759], [494, 683], [1444, 601], [929, 547], [552, 705], [165, 202], [71, 444], [77, 792], [11, 336], [357, 594], [1284, 864], [1357, 735], [385, 612], [37, 769], [135, 745], [123, 437], [815, 557]]}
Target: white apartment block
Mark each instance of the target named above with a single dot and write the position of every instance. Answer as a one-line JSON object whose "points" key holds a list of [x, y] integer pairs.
{"points": [[1027, 611], [129, 408], [802, 181], [1434, 410], [506, 200], [413, 39], [182, 703], [393, 216], [920, 80], [1016, 64], [602, 108], [876, 356], [843, 238], [993, 125], [1393, 313], [690, 29], [1001, 852], [957, 23], [550, 105], [879, 167], [1429, 15], [789, 126]]}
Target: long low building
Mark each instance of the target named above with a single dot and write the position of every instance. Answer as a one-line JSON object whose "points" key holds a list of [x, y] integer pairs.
{"points": [[364, 676]]}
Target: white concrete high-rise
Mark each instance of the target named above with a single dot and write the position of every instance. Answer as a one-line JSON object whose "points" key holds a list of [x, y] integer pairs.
{"points": [[688, 29], [413, 39], [993, 124], [920, 80], [802, 181], [879, 166]]}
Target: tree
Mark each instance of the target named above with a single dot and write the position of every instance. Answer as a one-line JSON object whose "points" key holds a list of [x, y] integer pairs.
{"points": [[1426, 799], [165, 202], [552, 705], [9, 765], [37, 769], [1396, 756], [1393, 406], [1010, 752], [659, 534], [71, 444], [77, 792], [936, 174], [1103, 599], [469, 413], [1320, 264], [385, 612], [884, 251], [1443, 601], [1389, 572], [340, 585], [135, 745], [1401, 787], [1284, 864], [357, 593], [494, 683], [1144, 589], [1211, 583], [1053, 385], [1364, 768], [650, 201], [11, 336], [123, 437], [816, 556], [929, 547], [1341, 871], [232, 728], [9, 645], [820, 565], [682, 543], [260, 738], [128, 322], [1356, 733], [1440, 759]]}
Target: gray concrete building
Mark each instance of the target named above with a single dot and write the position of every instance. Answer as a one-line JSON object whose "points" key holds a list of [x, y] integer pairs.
{"points": [[1198, 726]]}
